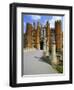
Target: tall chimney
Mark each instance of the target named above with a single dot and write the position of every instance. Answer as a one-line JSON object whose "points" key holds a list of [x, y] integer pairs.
{"points": [[58, 35]]}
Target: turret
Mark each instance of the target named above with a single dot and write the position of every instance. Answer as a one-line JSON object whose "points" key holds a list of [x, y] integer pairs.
{"points": [[48, 34], [29, 35], [38, 36], [58, 35]]}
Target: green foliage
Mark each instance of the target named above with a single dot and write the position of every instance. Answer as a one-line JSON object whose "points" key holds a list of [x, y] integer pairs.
{"points": [[59, 68]]}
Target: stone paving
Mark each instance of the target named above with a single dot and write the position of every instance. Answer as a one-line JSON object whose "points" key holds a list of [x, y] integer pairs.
{"points": [[32, 63]]}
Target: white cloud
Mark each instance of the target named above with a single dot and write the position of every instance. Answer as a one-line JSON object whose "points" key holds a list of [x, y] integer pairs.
{"points": [[58, 18], [36, 17], [44, 23], [24, 27], [52, 21], [24, 24]]}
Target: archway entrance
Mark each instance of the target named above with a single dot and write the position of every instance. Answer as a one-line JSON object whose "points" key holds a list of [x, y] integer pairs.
{"points": [[41, 45]]}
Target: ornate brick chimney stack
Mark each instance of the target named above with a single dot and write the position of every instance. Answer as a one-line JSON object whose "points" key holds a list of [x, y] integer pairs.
{"points": [[29, 35], [48, 35], [47, 38], [34, 26], [54, 60], [38, 36], [58, 35]]}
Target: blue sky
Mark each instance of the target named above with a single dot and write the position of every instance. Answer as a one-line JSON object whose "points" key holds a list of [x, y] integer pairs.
{"points": [[42, 19]]}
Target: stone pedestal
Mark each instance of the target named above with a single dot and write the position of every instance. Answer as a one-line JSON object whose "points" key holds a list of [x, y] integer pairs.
{"points": [[38, 46], [47, 51], [44, 46], [54, 60]]}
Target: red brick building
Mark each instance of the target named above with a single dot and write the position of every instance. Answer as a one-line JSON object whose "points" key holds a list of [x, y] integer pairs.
{"points": [[33, 36]]}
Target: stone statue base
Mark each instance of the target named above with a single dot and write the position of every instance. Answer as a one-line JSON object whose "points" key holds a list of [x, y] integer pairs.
{"points": [[54, 59]]}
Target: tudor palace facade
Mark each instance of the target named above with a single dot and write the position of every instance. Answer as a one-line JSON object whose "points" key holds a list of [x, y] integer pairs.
{"points": [[42, 37]]}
